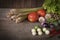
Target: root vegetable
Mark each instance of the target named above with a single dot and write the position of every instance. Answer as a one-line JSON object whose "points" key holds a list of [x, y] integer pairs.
{"points": [[41, 19], [47, 16]]}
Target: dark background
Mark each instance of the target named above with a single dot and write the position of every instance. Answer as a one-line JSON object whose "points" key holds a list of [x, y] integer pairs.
{"points": [[22, 31], [20, 3]]}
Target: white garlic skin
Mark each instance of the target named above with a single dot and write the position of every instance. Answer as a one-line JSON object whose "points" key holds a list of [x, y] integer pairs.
{"points": [[41, 19], [47, 16]]}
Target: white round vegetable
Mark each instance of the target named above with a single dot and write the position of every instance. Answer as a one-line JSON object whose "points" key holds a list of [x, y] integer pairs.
{"points": [[44, 29], [47, 16], [33, 30], [41, 19], [40, 33], [33, 33], [47, 32], [39, 29]]}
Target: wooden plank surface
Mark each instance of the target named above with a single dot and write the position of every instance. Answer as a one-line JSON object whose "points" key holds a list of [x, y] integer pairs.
{"points": [[20, 3]]}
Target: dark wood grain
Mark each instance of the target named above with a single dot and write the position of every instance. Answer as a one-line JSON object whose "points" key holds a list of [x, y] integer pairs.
{"points": [[20, 3]]}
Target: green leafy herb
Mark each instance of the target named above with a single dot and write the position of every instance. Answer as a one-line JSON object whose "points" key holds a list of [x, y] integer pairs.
{"points": [[52, 6]]}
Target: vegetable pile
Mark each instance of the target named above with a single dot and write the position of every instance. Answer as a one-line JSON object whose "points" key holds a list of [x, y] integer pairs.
{"points": [[19, 15], [40, 31], [48, 15]]}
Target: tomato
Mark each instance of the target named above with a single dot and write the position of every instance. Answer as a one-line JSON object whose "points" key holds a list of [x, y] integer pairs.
{"points": [[41, 12], [33, 17]]}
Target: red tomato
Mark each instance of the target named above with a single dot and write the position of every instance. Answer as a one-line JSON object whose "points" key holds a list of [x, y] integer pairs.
{"points": [[41, 12], [33, 17]]}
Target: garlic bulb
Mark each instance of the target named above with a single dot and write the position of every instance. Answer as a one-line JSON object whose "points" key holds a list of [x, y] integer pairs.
{"points": [[41, 19], [47, 16]]}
